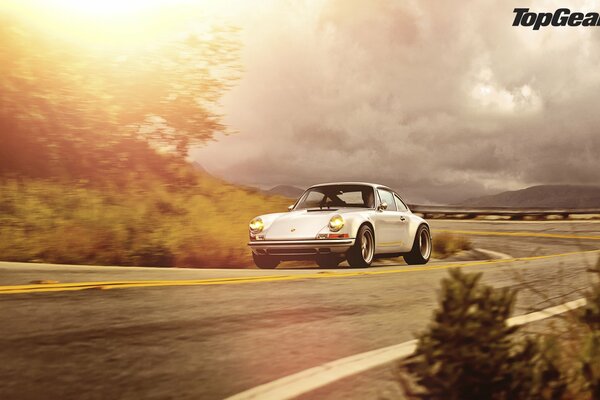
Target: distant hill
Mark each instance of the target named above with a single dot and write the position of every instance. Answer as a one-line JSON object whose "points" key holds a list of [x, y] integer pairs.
{"points": [[553, 196], [286, 190]]}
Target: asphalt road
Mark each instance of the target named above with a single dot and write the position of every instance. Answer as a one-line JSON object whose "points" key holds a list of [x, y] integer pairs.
{"points": [[219, 332]]}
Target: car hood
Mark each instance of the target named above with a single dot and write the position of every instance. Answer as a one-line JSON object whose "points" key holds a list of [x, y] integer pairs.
{"points": [[299, 224]]}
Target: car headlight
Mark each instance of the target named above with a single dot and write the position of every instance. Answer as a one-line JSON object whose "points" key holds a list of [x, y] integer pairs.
{"points": [[336, 223], [256, 225]]}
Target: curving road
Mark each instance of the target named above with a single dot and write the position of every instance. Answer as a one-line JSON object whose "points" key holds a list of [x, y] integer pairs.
{"points": [[152, 333]]}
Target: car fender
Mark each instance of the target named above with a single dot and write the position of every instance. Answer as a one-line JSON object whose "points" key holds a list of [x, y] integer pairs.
{"points": [[415, 222], [355, 221], [352, 223], [268, 219]]}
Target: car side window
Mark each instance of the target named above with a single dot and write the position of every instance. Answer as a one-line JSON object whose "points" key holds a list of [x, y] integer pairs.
{"points": [[387, 197], [400, 204]]}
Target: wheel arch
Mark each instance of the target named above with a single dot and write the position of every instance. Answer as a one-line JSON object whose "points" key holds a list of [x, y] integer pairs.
{"points": [[415, 255], [356, 222], [369, 224], [354, 256], [416, 225]]}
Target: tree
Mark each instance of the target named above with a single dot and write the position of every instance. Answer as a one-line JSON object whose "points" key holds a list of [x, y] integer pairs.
{"points": [[63, 109], [169, 92]]}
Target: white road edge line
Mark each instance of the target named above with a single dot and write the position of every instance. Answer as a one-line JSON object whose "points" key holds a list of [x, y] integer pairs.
{"points": [[546, 313], [310, 379]]}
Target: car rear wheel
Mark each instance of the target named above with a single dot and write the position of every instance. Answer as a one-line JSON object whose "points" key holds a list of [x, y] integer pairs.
{"points": [[421, 250], [361, 254], [265, 262]]}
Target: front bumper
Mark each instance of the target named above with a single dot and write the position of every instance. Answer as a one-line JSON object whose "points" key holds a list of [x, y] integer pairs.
{"points": [[300, 248]]}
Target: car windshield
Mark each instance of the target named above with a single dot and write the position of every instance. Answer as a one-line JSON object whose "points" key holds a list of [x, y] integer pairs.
{"points": [[336, 196]]}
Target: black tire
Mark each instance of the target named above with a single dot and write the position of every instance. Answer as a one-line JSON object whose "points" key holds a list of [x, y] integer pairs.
{"points": [[265, 262], [329, 261], [360, 256], [421, 250]]}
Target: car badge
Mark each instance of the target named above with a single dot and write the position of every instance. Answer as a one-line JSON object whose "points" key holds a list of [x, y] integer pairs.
{"points": [[293, 230]]}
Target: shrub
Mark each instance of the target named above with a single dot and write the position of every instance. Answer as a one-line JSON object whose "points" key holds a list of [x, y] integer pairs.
{"points": [[469, 351], [590, 356], [446, 244]]}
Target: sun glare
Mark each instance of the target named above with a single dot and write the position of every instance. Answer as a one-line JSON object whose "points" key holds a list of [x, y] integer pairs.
{"points": [[114, 23], [102, 8]]}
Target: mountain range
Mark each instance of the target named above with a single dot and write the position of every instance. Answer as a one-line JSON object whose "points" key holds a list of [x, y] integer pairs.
{"points": [[551, 196], [543, 196], [286, 190]]}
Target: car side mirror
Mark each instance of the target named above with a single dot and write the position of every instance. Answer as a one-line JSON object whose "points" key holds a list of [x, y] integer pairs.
{"points": [[382, 206], [290, 208]]}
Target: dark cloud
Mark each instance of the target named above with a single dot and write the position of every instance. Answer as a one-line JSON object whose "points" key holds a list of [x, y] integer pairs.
{"points": [[442, 102]]}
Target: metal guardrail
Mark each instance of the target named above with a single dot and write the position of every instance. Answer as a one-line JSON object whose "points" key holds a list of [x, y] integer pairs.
{"points": [[515, 213]]}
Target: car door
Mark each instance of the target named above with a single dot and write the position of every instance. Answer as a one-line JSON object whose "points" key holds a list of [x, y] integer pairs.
{"points": [[392, 234], [404, 216]]}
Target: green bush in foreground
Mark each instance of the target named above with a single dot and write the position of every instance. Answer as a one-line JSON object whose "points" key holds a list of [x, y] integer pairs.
{"points": [[590, 357], [469, 351]]}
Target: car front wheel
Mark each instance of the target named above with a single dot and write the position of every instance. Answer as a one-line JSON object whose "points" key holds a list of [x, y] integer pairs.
{"points": [[361, 254], [265, 262], [421, 250]]}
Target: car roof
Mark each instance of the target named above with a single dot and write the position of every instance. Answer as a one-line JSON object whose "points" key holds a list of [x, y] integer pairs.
{"points": [[375, 185]]}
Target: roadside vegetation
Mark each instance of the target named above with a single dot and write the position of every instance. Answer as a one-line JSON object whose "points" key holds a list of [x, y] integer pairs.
{"points": [[93, 147], [469, 352], [203, 224], [446, 244]]}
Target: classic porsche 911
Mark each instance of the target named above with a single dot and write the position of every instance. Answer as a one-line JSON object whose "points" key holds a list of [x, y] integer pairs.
{"points": [[334, 222]]}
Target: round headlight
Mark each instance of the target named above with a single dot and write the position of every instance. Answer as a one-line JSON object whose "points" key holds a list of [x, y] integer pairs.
{"points": [[336, 223], [256, 225]]}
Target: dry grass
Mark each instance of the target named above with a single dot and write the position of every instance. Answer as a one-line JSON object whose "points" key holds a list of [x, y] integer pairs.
{"points": [[154, 224], [446, 244]]}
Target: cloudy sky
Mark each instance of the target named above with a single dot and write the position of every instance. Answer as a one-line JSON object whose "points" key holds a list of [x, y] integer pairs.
{"points": [[440, 101]]}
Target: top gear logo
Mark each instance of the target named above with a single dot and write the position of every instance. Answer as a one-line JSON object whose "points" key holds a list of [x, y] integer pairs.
{"points": [[560, 17]]}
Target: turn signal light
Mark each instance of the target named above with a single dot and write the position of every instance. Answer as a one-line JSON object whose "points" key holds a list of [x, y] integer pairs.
{"points": [[333, 236], [337, 236]]}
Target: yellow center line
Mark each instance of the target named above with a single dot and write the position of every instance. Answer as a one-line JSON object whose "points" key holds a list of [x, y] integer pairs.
{"points": [[518, 234], [19, 289]]}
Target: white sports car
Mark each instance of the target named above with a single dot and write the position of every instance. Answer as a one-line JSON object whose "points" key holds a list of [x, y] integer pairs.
{"points": [[335, 221]]}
